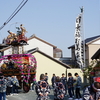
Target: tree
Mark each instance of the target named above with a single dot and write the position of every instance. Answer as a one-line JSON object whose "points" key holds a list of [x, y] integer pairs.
{"points": [[89, 71]]}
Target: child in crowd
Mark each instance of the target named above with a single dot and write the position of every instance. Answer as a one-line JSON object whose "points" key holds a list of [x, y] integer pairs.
{"points": [[42, 88], [59, 89]]}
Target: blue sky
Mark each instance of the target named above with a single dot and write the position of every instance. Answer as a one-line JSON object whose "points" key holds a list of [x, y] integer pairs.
{"points": [[52, 20]]}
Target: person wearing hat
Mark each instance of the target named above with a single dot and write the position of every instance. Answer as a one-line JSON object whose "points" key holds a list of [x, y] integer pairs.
{"points": [[3, 83]]}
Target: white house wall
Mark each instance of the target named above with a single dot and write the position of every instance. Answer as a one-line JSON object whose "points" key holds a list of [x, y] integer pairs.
{"points": [[93, 47], [8, 51], [34, 43], [92, 50], [46, 65], [96, 42]]}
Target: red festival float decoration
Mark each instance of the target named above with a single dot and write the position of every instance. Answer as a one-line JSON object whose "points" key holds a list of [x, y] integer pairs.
{"points": [[18, 63]]}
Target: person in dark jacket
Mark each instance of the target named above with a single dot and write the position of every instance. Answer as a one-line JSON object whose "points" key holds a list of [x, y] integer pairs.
{"points": [[64, 81], [46, 77], [15, 83], [78, 86], [70, 82], [9, 86], [53, 80], [3, 83]]}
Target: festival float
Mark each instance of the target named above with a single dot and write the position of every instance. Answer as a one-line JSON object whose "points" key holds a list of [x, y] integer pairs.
{"points": [[19, 63]]}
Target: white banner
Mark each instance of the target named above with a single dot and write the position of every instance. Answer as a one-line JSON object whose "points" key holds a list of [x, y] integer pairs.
{"points": [[78, 42]]}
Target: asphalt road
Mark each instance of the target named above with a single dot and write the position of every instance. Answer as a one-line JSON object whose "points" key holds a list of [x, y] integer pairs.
{"points": [[31, 95]]}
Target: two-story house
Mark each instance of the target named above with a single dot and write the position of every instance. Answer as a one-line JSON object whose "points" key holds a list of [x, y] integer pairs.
{"points": [[92, 44], [44, 46], [36, 42]]}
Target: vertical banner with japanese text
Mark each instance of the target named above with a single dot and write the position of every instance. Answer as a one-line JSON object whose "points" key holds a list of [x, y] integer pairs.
{"points": [[79, 42]]}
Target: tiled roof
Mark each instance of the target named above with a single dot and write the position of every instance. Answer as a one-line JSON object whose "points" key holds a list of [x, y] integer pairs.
{"points": [[88, 40], [91, 39], [34, 36], [3, 46], [37, 50]]}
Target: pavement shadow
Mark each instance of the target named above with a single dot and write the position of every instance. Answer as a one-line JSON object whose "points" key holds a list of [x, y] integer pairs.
{"points": [[51, 97]]}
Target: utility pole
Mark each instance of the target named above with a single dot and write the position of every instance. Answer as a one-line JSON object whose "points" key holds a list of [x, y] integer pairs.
{"points": [[83, 38]]}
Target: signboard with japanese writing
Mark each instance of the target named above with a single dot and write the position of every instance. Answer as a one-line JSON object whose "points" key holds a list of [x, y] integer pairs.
{"points": [[78, 42]]}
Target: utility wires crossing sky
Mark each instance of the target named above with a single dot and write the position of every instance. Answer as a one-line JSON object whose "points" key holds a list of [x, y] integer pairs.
{"points": [[14, 13]]}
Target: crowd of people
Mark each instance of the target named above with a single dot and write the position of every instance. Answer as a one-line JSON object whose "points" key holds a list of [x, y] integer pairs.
{"points": [[61, 86], [69, 87], [8, 86]]}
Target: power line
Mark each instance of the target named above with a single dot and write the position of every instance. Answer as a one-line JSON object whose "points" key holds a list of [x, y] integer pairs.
{"points": [[14, 13]]}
